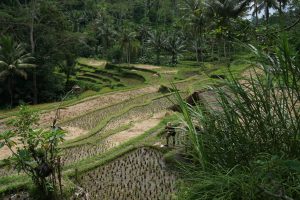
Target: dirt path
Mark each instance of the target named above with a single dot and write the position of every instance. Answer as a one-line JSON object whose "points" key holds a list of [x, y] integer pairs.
{"points": [[139, 128]]}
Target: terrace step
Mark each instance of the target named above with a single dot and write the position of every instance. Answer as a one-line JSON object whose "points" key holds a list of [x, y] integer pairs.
{"points": [[142, 171], [97, 76]]}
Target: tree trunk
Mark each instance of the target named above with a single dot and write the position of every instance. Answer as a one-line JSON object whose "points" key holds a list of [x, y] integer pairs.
{"points": [[158, 57], [218, 49], [256, 12], [267, 11], [197, 52], [212, 49], [10, 90], [129, 48], [32, 43], [224, 49], [68, 80], [280, 8], [174, 60]]}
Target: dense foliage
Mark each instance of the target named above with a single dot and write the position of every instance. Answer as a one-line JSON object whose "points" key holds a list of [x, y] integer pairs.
{"points": [[158, 32]]}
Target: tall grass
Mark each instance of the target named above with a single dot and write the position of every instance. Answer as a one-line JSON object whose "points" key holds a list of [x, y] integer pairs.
{"points": [[248, 147]]}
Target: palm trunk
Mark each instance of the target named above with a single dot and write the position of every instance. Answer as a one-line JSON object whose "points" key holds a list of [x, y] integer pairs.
{"points": [[197, 51], [174, 60], [212, 49], [267, 11], [224, 49], [129, 48], [10, 90], [68, 80], [33, 51], [256, 11], [158, 57], [127, 55], [280, 8]]}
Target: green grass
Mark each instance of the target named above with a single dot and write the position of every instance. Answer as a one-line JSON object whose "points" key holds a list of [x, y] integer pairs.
{"points": [[235, 69], [92, 62], [249, 147]]}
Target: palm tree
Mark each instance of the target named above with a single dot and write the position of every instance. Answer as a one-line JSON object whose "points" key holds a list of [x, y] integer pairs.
{"points": [[196, 22], [105, 35], [266, 5], [127, 38], [105, 32], [256, 10], [13, 61], [174, 45], [282, 5], [157, 42], [226, 10], [197, 46], [142, 34], [68, 68]]}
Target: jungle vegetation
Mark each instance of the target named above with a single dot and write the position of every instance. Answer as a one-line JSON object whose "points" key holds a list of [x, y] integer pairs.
{"points": [[55, 33]]}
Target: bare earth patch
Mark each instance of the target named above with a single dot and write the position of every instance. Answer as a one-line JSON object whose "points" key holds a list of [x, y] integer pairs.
{"points": [[251, 72], [169, 72], [139, 128], [4, 153], [73, 132], [94, 63], [147, 67]]}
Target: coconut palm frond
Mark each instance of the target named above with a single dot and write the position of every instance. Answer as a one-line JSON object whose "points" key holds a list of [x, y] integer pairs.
{"points": [[21, 73], [3, 64], [4, 74], [26, 65], [13, 57]]}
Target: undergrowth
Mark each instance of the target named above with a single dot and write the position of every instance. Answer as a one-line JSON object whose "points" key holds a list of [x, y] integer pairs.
{"points": [[249, 148]]}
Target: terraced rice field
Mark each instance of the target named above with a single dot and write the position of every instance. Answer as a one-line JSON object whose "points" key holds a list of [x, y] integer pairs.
{"points": [[77, 153], [138, 175], [96, 103], [97, 75], [91, 120], [99, 124]]}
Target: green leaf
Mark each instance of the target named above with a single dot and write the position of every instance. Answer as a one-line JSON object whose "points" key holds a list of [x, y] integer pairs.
{"points": [[7, 135], [293, 164], [23, 154], [1, 144]]}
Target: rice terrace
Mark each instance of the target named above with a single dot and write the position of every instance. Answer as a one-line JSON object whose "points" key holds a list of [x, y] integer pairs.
{"points": [[149, 100]]}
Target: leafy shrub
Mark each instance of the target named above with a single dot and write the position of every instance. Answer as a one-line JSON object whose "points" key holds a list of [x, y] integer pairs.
{"points": [[35, 152]]}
